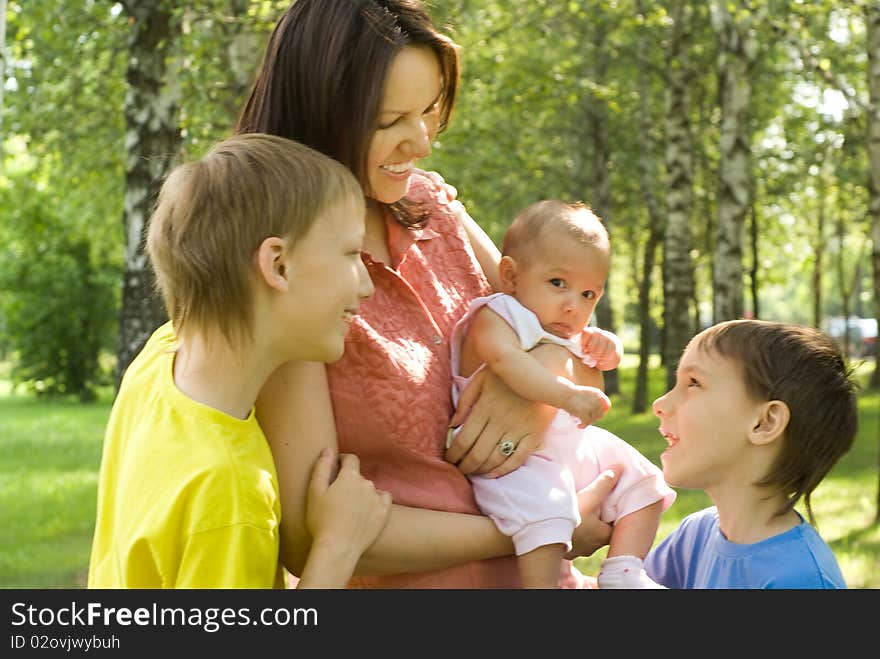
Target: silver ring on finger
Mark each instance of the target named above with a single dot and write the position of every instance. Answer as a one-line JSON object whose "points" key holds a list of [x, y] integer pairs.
{"points": [[507, 448]]}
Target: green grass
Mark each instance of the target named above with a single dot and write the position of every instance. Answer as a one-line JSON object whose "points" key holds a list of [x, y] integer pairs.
{"points": [[50, 451], [49, 457]]}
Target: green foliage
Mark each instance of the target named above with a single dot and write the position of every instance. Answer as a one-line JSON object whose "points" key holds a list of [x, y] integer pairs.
{"points": [[57, 300]]}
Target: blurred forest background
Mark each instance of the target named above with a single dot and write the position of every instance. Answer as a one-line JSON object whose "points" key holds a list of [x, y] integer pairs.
{"points": [[732, 148]]}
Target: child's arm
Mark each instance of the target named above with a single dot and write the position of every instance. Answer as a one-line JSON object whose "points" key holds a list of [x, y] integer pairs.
{"points": [[496, 344], [603, 346], [345, 516]]}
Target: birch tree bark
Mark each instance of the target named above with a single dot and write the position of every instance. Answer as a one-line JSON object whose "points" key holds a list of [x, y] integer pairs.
{"points": [[678, 274], [656, 222], [819, 248], [2, 72], [872, 21], [153, 139], [737, 50], [596, 112]]}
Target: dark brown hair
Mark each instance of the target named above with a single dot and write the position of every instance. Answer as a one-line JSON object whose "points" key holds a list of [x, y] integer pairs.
{"points": [[801, 367], [323, 75]]}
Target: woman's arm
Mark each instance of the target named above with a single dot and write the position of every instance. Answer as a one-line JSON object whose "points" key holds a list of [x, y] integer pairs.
{"points": [[485, 250], [345, 513], [296, 414]]}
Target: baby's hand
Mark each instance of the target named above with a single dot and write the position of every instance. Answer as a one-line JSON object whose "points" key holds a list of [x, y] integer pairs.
{"points": [[345, 512], [604, 347], [589, 404]]}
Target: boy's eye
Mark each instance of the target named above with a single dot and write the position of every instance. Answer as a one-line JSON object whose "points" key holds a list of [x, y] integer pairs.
{"points": [[557, 282], [589, 294], [692, 382]]}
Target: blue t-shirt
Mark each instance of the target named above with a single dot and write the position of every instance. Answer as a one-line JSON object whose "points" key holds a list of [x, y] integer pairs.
{"points": [[697, 555]]}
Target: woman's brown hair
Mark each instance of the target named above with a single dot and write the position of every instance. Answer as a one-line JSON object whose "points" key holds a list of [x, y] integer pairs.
{"points": [[323, 75]]}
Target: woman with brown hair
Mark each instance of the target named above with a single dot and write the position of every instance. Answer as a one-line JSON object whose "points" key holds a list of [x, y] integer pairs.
{"points": [[371, 83]]}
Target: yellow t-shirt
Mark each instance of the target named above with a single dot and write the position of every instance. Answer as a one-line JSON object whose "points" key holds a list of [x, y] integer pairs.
{"points": [[187, 495]]}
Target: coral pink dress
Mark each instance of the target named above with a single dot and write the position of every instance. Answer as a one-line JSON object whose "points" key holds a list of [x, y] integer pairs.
{"points": [[391, 390]]}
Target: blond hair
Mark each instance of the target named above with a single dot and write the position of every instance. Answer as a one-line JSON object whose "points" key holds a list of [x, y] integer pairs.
{"points": [[213, 214]]}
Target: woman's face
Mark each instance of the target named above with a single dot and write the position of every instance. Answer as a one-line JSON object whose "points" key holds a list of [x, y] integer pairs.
{"points": [[407, 122]]}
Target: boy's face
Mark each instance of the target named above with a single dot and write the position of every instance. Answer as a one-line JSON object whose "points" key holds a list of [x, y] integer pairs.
{"points": [[327, 282], [561, 283], [706, 418]]}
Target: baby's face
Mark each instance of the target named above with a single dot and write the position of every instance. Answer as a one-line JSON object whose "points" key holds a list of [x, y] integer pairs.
{"points": [[562, 283]]}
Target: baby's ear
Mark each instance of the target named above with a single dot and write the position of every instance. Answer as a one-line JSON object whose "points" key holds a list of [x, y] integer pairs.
{"points": [[507, 269], [771, 423], [271, 263]]}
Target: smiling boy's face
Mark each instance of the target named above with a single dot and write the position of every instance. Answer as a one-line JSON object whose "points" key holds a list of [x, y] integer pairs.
{"points": [[706, 418], [328, 280]]}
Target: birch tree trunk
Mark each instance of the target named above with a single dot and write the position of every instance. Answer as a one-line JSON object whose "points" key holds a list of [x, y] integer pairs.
{"points": [[872, 21], [153, 139], [656, 224], [819, 249], [737, 49], [2, 72], [597, 121], [678, 274]]}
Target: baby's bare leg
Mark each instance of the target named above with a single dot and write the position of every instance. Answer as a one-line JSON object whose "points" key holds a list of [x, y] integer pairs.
{"points": [[631, 540], [634, 534], [539, 568]]}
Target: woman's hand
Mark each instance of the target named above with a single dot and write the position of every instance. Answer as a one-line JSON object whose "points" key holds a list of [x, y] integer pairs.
{"points": [[593, 533], [440, 183], [492, 415]]}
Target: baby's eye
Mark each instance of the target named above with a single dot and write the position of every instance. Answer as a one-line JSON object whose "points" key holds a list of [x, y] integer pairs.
{"points": [[557, 282], [692, 382], [589, 294]]}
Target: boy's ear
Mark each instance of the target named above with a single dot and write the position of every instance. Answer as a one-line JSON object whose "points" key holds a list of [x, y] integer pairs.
{"points": [[507, 269], [271, 263], [772, 421]]}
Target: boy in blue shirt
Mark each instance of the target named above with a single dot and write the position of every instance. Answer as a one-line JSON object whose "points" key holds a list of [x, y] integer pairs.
{"points": [[759, 414]]}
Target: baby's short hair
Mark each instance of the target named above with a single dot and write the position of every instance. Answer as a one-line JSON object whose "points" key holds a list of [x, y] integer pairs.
{"points": [[553, 215], [803, 368], [213, 214]]}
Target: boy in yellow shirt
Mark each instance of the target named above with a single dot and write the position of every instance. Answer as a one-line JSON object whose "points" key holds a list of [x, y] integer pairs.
{"points": [[256, 249]]}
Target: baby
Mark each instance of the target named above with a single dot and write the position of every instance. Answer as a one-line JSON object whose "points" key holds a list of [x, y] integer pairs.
{"points": [[555, 261]]}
